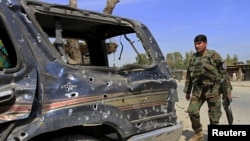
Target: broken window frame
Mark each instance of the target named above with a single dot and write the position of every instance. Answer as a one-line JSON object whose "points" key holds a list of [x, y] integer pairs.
{"points": [[105, 30]]}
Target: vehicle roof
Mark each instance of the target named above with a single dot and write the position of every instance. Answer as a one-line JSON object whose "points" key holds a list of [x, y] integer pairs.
{"points": [[100, 23]]}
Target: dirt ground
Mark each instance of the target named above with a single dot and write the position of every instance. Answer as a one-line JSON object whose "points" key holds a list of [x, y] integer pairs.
{"points": [[240, 108], [183, 117]]}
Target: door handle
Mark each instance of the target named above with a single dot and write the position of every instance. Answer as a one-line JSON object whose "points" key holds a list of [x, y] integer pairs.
{"points": [[6, 96]]}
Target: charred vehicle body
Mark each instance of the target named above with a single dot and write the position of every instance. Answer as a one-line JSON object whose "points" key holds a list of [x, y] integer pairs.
{"points": [[119, 89]]}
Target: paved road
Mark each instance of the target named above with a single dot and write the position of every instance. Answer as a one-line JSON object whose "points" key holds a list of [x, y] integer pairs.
{"points": [[240, 105]]}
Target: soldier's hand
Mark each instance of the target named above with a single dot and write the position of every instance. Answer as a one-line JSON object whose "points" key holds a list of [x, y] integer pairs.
{"points": [[229, 97], [187, 96]]}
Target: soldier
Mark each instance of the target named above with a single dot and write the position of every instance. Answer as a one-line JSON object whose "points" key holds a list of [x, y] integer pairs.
{"points": [[203, 81], [4, 57]]}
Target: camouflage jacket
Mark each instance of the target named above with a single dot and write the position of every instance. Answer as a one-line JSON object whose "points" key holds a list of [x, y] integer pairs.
{"points": [[204, 75]]}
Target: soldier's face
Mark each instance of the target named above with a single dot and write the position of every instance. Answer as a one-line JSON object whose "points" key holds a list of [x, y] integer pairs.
{"points": [[200, 46]]}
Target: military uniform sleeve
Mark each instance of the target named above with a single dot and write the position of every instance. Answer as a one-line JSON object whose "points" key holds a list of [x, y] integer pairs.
{"points": [[225, 76], [188, 82], [229, 86], [224, 73]]}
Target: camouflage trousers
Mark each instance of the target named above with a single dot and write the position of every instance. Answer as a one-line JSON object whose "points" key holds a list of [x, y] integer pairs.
{"points": [[214, 110]]}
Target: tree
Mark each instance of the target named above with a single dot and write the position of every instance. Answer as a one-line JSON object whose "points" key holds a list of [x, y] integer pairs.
{"points": [[175, 60], [72, 47], [110, 5], [231, 61], [169, 60], [235, 58], [142, 59], [186, 60], [73, 3]]}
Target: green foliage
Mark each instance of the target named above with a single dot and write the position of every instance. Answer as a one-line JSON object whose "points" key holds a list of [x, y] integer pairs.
{"points": [[231, 61], [176, 61], [186, 60], [142, 59], [248, 61]]}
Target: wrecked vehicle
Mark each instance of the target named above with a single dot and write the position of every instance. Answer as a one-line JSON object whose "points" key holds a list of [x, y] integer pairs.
{"points": [[120, 92]]}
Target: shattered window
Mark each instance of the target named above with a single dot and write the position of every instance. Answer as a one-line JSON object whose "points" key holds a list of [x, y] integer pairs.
{"points": [[95, 42], [8, 57], [129, 51], [120, 51]]}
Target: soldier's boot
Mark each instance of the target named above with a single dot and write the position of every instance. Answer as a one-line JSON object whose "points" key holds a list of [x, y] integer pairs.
{"points": [[198, 136]]}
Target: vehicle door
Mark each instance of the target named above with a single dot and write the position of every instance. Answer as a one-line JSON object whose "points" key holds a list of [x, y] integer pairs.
{"points": [[18, 76]]}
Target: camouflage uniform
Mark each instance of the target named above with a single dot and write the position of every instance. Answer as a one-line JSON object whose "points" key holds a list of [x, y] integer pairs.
{"points": [[203, 80], [4, 61]]}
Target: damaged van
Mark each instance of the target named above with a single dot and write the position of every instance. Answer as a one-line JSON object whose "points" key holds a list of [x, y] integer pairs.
{"points": [[76, 74]]}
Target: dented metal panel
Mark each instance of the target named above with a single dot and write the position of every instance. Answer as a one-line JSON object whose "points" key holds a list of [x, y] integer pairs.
{"points": [[51, 94]]}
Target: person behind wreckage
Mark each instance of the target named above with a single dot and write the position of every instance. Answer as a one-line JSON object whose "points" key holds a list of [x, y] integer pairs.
{"points": [[203, 84]]}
